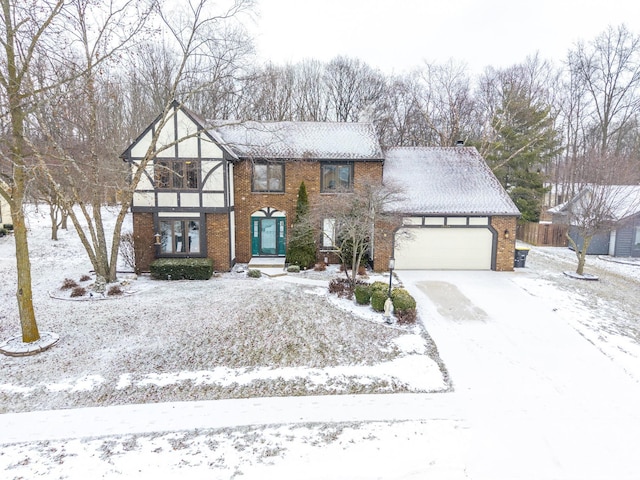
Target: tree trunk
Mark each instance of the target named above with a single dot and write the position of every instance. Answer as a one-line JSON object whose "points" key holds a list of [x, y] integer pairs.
{"points": [[582, 255], [24, 294], [53, 214]]}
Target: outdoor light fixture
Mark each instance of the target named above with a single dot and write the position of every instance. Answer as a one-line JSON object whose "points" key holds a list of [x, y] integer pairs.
{"points": [[156, 237], [392, 265], [506, 234]]}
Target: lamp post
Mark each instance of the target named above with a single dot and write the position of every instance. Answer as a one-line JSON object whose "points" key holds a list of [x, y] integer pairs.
{"points": [[392, 265]]}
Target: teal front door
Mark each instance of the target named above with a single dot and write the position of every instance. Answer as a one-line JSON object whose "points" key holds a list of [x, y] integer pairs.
{"points": [[268, 236]]}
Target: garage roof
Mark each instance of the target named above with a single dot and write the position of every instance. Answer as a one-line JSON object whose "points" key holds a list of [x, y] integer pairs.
{"points": [[445, 181]]}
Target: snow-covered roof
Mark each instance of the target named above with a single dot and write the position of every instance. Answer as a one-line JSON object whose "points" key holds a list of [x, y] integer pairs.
{"points": [[299, 140], [621, 201], [445, 180]]}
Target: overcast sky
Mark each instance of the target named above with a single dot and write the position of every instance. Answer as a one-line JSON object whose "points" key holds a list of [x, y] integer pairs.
{"points": [[396, 35]]}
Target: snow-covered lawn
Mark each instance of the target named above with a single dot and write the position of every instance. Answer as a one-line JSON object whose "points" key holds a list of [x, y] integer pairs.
{"points": [[228, 337], [521, 407]]}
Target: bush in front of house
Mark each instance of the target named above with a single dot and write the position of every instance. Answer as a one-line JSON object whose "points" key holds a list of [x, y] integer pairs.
{"points": [[362, 294], [68, 284], [3, 232], [341, 287], [78, 292], [254, 273], [404, 305], [293, 269], [182, 269], [380, 286], [8, 227], [378, 297]]}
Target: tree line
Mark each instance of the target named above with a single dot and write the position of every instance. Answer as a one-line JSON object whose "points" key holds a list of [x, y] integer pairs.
{"points": [[80, 79]]}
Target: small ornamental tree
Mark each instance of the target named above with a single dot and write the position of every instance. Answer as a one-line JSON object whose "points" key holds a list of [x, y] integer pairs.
{"points": [[302, 247], [353, 214]]}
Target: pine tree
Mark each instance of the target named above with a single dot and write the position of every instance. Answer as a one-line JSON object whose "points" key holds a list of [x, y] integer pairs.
{"points": [[525, 141], [302, 247]]}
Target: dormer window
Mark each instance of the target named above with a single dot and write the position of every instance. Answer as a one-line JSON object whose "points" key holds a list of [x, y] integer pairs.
{"points": [[177, 174], [336, 177]]}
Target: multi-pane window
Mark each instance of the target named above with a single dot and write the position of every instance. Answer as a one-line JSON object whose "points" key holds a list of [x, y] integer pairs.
{"points": [[336, 177], [268, 177], [179, 237], [177, 174]]}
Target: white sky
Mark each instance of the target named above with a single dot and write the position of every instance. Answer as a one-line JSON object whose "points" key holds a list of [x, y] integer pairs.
{"points": [[396, 35]]}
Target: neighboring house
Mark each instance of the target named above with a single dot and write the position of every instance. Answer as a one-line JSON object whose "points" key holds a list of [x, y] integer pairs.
{"points": [[228, 191], [456, 215], [619, 211]]}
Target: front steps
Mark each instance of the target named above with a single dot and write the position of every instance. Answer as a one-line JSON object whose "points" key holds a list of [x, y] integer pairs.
{"points": [[269, 266]]}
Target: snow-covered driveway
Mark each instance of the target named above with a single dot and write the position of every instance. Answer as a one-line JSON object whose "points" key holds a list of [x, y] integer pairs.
{"points": [[541, 400]]}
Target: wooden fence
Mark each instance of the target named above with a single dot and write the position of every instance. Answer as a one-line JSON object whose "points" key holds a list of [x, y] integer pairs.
{"points": [[542, 234]]}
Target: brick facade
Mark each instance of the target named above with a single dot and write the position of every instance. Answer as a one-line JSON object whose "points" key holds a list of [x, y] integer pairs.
{"points": [[218, 241], [143, 238], [505, 250], [247, 202]]}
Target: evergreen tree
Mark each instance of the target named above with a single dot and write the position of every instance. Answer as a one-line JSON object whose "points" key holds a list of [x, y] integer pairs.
{"points": [[302, 247], [525, 140]]}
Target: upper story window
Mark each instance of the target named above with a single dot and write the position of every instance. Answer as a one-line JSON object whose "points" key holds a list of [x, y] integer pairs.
{"points": [[336, 177], [268, 177], [177, 174]]}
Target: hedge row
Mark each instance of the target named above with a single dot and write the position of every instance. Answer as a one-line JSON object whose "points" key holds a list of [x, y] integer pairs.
{"points": [[182, 269], [404, 305]]}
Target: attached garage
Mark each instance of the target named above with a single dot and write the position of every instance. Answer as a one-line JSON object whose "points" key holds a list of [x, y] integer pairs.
{"points": [[454, 214], [456, 243]]}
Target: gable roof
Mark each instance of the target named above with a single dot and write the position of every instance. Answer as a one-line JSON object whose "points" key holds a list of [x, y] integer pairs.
{"points": [[445, 181], [299, 140], [622, 201]]}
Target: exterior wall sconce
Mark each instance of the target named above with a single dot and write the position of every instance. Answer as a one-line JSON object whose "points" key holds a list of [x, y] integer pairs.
{"points": [[156, 238], [506, 234]]}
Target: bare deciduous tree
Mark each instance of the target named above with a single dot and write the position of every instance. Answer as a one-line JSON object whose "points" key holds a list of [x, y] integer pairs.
{"points": [[348, 218]]}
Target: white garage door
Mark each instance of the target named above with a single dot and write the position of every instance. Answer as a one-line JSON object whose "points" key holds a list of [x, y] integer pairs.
{"points": [[443, 249]]}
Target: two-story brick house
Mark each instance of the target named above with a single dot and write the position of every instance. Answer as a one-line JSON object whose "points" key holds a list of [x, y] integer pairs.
{"points": [[228, 191]]}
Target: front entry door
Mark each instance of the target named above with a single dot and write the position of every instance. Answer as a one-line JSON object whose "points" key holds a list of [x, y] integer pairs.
{"points": [[268, 236]]}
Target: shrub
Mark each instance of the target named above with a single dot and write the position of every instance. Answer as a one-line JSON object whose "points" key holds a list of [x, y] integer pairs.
{"points": [[293, 269], [3, 232], [78, 292], [341, 287], [115, 290], [182, 268], [378, 297], [362, 294], [253, 273], [127, 250], [320, 267], [85, 278], [8, 227], [380, 286], [404, 305], [407, 316], [68, 284]]}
